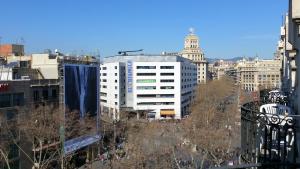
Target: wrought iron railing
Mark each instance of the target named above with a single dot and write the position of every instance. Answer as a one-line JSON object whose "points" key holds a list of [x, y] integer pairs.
{"points": [[267, 139]]}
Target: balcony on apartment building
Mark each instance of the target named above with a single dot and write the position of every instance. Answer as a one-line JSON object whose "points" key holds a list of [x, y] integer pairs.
{"points": [[268, 133]]}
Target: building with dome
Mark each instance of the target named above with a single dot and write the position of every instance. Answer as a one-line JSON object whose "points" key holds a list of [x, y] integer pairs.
{"points": [[193, 52]]}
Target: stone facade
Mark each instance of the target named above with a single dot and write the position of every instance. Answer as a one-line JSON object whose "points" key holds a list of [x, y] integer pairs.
{"points": [[254, 75], [193, 52]]}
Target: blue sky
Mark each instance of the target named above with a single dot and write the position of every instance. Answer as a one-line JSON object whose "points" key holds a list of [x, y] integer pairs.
{"points": [[227, 28]]}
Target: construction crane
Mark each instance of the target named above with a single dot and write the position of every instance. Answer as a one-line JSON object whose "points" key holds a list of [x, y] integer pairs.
{"points": [[124, 53]]}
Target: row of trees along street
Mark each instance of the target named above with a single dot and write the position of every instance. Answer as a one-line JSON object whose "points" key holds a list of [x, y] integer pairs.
{"points": [[208, 137]]}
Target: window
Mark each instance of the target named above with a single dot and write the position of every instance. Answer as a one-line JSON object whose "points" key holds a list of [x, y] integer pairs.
{"points": [[116, 81], [167, 80], [146, 87], [116, 96], [103, 74], [5, 100], [116, 103], [116, 87], [167, 96], [146, 81], [116, 67], [104, 68], [167, 74], [24, 64], [146, 67], [103, 101], [104, 86], [166, 67], [146, 96], [146, 74], [155, 103], [45, 94], [103, 94], [167, 87], [104, 80], [18, 99], [116, 74], [36, 95], [54, 93]]}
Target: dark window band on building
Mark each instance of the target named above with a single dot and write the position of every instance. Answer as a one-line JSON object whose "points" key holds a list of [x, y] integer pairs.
{"points": [[167, 74], [146, 74]]}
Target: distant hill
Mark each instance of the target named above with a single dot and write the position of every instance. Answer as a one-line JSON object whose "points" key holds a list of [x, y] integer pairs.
{"points": [[212, 60]]}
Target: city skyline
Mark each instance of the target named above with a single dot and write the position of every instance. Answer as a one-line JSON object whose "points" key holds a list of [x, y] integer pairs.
{"points": [[226, 29]]}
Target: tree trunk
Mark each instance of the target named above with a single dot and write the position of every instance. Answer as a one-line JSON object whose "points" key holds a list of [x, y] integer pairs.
{"points": [[5, 158]]}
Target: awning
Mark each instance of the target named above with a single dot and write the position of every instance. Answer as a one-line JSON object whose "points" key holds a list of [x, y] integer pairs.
{"points": [[167, 112]]}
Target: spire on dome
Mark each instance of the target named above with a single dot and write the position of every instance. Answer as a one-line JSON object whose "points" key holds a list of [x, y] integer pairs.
{"points": [[192, 30]]}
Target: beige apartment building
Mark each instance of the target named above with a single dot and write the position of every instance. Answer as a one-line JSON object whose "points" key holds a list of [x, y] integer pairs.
{"points": [[254, 75], [193, 52], [288, 50], [221, 68]]}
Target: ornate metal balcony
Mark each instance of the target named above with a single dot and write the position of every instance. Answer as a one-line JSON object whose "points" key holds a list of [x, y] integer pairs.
{"points": [[268, 136]]}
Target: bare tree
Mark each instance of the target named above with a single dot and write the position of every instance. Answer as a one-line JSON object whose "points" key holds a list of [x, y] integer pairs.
{"points": [[39, 127], [202, 140], [4, 141], [213, 116], [36, 133]]}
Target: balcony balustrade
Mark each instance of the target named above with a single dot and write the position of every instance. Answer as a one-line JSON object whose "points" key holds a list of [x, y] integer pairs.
{"points": [[268, 135]]}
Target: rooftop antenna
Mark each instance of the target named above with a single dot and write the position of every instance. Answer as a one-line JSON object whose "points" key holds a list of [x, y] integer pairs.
{"points": [[283, 20], [81, 52], [22, 41], [98, 53], [74, 53]]}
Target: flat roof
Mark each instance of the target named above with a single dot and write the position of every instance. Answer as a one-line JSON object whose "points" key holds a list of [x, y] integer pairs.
{"points": [[145, 58]]}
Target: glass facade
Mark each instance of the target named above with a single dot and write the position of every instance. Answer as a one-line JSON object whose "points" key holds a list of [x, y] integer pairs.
{"points": [[10, 100]]}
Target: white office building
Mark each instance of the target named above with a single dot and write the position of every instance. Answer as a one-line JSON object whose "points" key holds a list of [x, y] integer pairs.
{"points": [[161, 87]]}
